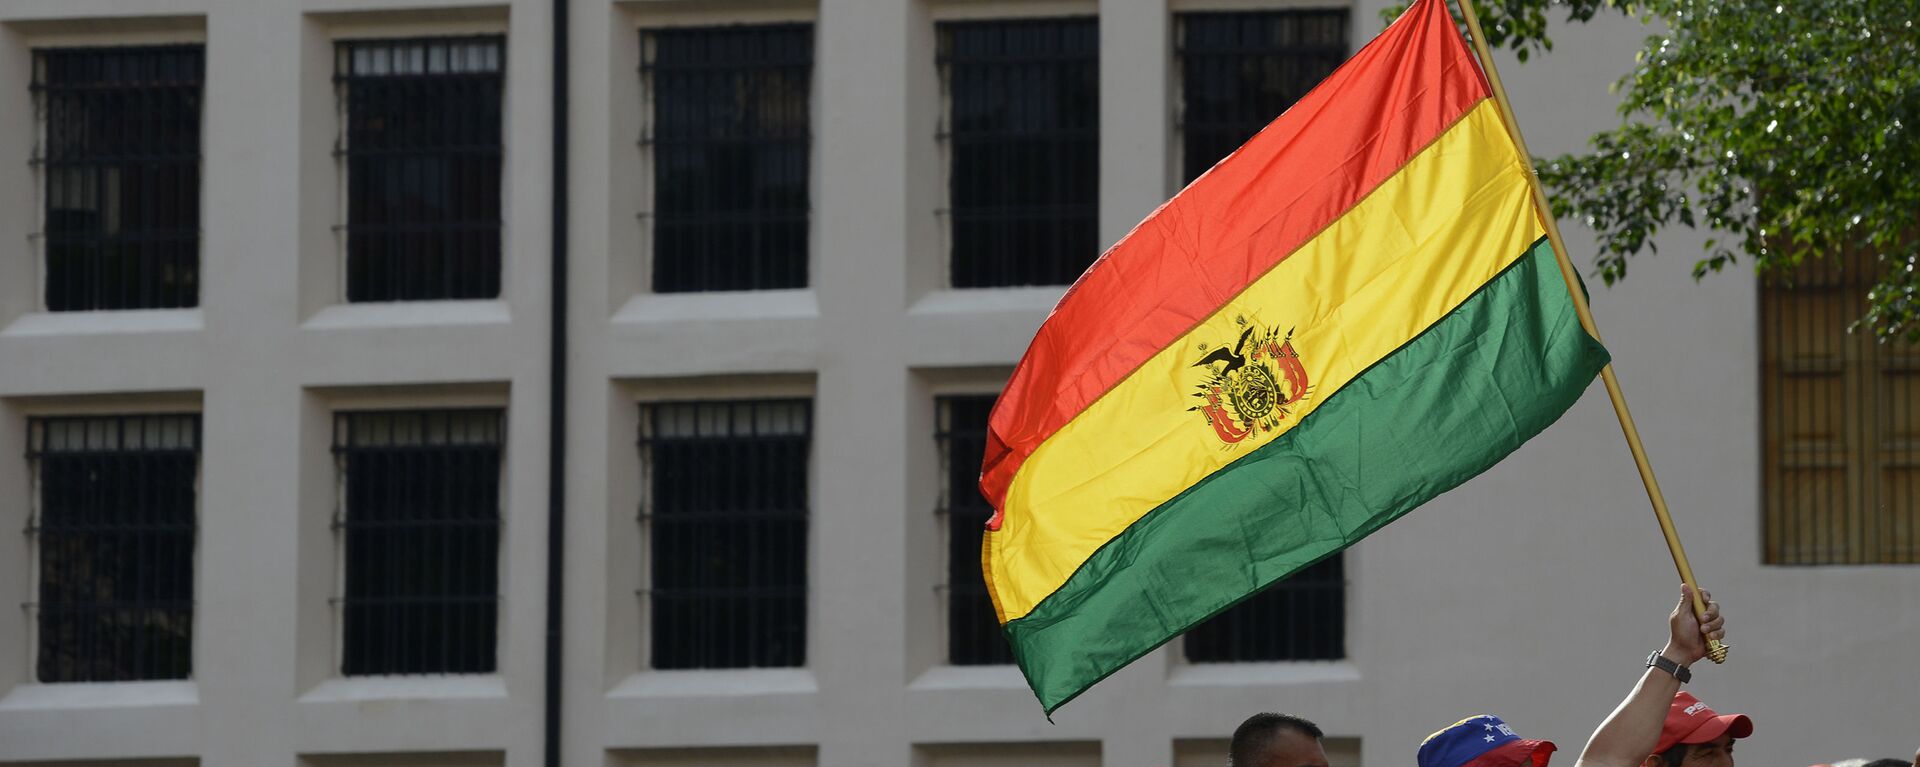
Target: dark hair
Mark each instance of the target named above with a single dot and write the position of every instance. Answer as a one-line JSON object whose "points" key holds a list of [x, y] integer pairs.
{"points": [[1672, 757], [1254, 736], [1888, 763]]}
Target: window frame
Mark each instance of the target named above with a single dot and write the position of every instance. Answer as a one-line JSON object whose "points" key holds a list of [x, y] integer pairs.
{"points": [[947, 137], [493, 287], [1000, 654], [1178, 28], [647, 514], [1868, 529], [34, 524], [649, 143], [40, 160], [337, 525]]}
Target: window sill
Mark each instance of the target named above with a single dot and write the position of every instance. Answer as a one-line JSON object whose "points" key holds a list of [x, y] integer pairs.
{"points": [[1264, 673], [969, 678], [106, 322], [477, 687], [952, 301], [729, 305], [717, 683], [409, 314], [101, 695]]}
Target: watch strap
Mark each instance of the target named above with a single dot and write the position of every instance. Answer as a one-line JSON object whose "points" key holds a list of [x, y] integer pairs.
{"points": [[1682, 673]]}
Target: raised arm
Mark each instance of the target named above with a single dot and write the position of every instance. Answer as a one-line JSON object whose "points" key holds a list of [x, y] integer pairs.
{"points": [[1629, 734]]}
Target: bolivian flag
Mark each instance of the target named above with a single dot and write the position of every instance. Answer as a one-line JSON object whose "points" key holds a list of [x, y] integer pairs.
{"points": [[1353, 313]]}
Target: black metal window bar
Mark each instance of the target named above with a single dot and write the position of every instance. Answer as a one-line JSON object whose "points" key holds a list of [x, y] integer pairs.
{"points": [[421, 150], [729, 136], [120, 156], [1022, 134], [1303, 617], [419, 522], [724, 518], [114, 528], [1840, 423], [973, 631], [1240, 70]]}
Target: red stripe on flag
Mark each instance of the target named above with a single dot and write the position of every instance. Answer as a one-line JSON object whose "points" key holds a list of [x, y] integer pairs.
{"points": [[1229, 227]]}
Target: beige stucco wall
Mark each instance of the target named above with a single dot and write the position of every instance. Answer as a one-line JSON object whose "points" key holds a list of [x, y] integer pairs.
{"points": [[1533, 591]]}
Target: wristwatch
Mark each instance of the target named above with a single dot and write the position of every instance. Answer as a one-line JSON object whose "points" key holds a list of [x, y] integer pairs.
{"points": [[1656, 660]]}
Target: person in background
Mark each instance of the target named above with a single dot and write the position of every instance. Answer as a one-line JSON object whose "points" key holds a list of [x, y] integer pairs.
{"points": [[1632, 731], [1276, 740], [1695, 736], [1659, 726]]}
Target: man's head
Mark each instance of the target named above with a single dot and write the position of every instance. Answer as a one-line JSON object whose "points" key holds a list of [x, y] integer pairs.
{"points": [[1277, 740], [1695, 736], [1483, 741]]}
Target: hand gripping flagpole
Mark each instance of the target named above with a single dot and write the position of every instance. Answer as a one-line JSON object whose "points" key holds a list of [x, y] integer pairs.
{"points": [[1715, 649]]}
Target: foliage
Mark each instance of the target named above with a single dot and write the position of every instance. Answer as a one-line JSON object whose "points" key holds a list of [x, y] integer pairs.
{"points": [[1787, 130]]}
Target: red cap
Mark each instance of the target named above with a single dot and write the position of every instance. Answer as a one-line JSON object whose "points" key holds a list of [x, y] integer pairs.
{"points": [[1691, 721]]}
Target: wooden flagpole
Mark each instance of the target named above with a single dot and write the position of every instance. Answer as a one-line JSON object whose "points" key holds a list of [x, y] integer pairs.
{"points": [[1715, 649]]}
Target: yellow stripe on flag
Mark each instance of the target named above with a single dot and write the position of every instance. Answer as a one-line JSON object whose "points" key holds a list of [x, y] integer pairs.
{"points": [[1396, 263]]}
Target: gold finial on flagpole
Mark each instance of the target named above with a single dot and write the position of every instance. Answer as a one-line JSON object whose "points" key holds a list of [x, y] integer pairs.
{"points": [[1716, 651]]}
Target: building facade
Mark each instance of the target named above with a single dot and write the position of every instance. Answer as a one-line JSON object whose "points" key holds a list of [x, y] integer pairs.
{"points": [[275, 334]]}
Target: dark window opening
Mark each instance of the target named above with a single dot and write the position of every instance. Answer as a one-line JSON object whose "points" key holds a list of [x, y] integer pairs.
{"points": [[973, 630], [420, 523], [724, 518], [1303, 617], [422, 157], [729, 136], [1022, 132], [120, 154], [1239, 71], [114, 529]]}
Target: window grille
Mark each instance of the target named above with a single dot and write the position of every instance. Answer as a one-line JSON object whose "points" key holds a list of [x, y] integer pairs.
{"points": [[120, 156], [421, 151], [1022, 133], [725, 519], [114, 528], [420, 525], [1840, 423], [1239, 71], [729, 137], [973, 631], [1301, 618]]}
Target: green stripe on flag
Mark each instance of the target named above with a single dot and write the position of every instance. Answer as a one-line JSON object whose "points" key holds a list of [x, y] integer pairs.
{"points": [[1444, 407]]}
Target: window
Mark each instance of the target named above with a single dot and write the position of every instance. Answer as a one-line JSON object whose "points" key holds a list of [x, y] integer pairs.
{"points": [[729, 136], [421, 153], [420, 525], [1303, 617], [1840, 422], [1239, 71], [114, 528], [120, 154], [1022, 133], [725, 520], [973, 631]]}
